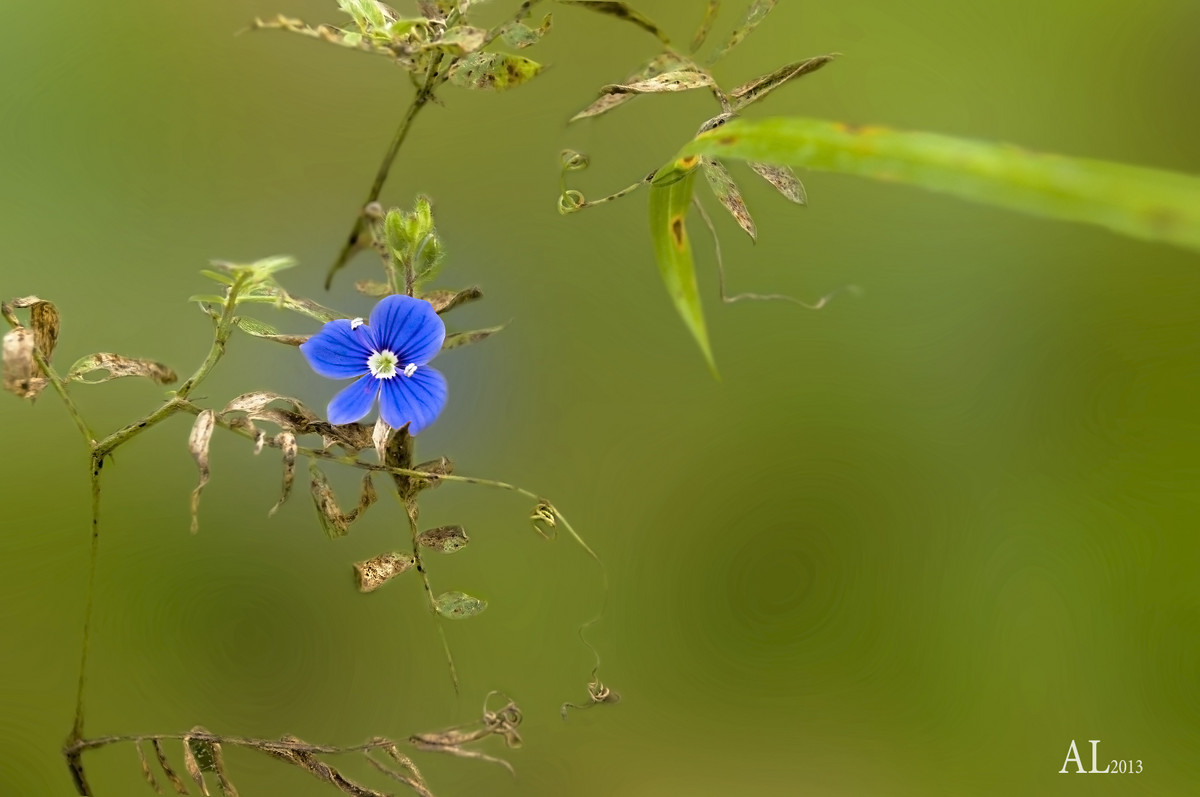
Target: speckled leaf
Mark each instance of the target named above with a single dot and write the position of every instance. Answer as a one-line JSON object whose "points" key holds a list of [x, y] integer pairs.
{"points": [[621, 11], [458, 605], [456, 339], [664, 62], [117, 366], [446, 539], [198, 441], [520, 35], [1144, 203], [670, 199], [287, 444], [760, 87], [754, 16], [681, 80], [19, 367], [462, 39], [493, 71], [373, 288], [161, 755], [726, 190], [444, 301], [335, 522], [784, 180], [43, 318], [373, 573], [710, 15], [193, 766], [259, 329]]}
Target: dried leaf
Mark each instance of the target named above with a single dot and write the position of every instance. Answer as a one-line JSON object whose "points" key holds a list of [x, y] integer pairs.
{"points": [[754, 16], [456, 339], [760, 87], [374, 573], [146, 773], [43, 317], [192, 766], [728, 194], [681, 80], [160, 754], [493, 71], [784, 180], [330, 34], [444, 301], [458, 605], [621, 11], [118, 366], [198, 441], [373, 288], [333, 520], [664, 62], [287, 443], [218, 767], [446, 539], [710, 14], [19, 367], [256, 407], [380, 435]]}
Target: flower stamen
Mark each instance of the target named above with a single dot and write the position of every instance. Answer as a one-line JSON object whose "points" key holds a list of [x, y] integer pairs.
{"points": [[383, 364], [355, 323], [410, 369]]}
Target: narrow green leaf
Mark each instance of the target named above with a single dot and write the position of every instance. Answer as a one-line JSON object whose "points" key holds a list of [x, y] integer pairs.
{"points": [[784, 179], [1144, 203], [493, 71], [621, 11], [458, 605], [710, 15], [760, 87], [754, 16], [670, 199], [727, 193], [217, 276]]}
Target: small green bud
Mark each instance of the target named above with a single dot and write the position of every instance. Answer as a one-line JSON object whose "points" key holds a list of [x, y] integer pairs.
{"points": [[396, 230]]}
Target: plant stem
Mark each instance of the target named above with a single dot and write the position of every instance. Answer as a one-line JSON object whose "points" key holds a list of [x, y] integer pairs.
{"points": [[220, 338], [424, 94]]}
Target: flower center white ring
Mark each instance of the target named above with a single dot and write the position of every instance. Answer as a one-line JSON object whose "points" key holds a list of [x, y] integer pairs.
{"points": [[383, 364]]}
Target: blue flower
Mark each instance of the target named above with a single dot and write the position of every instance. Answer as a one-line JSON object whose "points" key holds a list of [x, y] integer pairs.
{"points": [[388, 354]]}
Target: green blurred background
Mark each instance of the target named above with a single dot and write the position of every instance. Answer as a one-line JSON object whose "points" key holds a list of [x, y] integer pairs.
{"points": [[914, 543]]}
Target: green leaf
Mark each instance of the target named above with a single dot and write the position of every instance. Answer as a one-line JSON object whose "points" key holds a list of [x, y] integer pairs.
{"points": [[670, 198], [458, 605], [493, 71], [1144, 203], [760, 87], [259, 329], [727, 193], [519, 35], [755, 14], [463, 39], [621, 11]]}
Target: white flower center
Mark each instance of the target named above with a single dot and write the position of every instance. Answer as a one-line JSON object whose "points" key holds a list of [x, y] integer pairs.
{"points": [[383, 364], [410, 369]]}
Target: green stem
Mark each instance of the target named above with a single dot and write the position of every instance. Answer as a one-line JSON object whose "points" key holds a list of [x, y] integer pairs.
{"points": [[424, 95], [220, 339], [410, 510]]}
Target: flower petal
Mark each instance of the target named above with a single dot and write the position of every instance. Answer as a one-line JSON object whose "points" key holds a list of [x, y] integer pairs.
{"points": [[355, 401], [416, 400], [338, 351], [408, 327]]}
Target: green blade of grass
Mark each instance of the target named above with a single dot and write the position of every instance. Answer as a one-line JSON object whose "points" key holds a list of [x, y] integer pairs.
{"points": [[670, 199], [1144, 203]]}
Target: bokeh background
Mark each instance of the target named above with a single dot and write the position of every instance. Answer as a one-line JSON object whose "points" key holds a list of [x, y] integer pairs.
{"points": [[914, 543]]}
